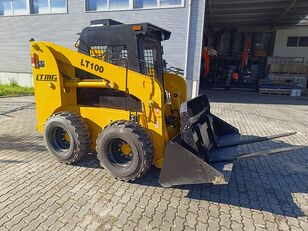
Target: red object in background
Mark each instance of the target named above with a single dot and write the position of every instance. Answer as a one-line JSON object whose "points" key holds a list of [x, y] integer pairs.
{"points": [[247, 48], [206, 59], [244, 60], [234, 76]]}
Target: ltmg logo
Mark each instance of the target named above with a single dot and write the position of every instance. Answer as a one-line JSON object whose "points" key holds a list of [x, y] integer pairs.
{"points": [[43, 77]]}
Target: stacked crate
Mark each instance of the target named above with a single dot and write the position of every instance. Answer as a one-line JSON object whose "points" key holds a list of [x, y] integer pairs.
{"points": [[287, 75]]}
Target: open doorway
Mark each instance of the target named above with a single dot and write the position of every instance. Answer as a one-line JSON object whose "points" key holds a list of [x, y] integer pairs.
{"points": [[239, 37]]}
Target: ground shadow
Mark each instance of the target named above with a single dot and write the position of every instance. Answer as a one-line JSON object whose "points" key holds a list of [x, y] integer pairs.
{"points": [[265, 183], [20, 143], [18, 108], [89, 161], [244, 97], [13, 161]]}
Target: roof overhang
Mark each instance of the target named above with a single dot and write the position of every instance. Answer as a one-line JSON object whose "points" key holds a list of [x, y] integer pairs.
{"points": [[257, 13]]}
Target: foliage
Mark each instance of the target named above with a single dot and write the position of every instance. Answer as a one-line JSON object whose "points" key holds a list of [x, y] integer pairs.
{"points": [[13, 89]]}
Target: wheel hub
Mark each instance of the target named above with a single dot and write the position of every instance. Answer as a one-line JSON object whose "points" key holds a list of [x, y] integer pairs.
{"points": [[125, 149], [66, 137]]}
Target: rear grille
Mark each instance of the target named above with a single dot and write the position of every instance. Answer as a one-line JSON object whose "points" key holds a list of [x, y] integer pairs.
{"points": [[115, 54]]}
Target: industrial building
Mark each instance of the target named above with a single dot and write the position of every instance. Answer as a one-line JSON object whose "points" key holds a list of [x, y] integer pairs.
{"points": [[259, 45], [218, 43]]}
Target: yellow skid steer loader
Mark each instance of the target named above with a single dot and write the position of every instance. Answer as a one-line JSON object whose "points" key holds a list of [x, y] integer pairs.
{"points": [[114, 96]]}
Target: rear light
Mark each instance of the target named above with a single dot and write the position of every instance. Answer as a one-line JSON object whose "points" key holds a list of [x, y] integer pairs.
{"points": [[34, 60], [137, 28]]}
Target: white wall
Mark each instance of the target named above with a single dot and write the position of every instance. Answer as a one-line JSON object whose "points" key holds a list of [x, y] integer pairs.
{"points": [[16, 31], [23, 79], [281, 49]]}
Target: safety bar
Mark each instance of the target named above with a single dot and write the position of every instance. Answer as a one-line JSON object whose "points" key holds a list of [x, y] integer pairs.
{"points": [[88, 84]]}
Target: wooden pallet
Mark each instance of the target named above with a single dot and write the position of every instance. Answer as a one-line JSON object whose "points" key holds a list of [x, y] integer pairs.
{"points": [[273, 91]]}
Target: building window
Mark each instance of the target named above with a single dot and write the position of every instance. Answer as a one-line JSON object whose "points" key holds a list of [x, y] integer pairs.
{"points": [[100, 5], [170, 2], [93, 5], [40, 6], [292, 41], [303, 42], [105, 5], [145, 3], [118, 4], [14, 7], [49, 6], [296, 41], [26, 7], [20, 7]]}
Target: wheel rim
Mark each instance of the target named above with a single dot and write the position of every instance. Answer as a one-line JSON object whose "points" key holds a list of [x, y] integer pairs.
{"points": [[60, 140], [120, 153]]}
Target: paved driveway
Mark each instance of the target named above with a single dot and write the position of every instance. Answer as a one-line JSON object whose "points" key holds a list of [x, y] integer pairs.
{"points": [[38, 193]]}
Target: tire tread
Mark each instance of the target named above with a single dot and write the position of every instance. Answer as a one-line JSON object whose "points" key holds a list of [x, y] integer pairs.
{"points": [[144, 139], [83, 135]]}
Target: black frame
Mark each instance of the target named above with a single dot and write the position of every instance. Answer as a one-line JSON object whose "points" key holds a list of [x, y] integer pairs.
{"points": [[108, 32]]}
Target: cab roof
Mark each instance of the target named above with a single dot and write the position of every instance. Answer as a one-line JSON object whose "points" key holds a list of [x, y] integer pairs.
{"points": [[138, 27]]}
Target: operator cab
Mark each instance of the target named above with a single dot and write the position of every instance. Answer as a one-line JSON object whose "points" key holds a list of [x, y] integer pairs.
{"points": [[135, 46]]}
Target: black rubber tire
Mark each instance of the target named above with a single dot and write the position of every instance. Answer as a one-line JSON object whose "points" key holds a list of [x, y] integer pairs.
{"points": [[78, 131], [141, 144]]}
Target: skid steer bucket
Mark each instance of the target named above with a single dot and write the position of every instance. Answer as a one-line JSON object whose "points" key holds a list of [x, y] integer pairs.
{"points": [[194, 156]]}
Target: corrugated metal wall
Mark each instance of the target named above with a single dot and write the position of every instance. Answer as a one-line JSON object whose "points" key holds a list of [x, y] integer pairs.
{"points": [[15, 32]]}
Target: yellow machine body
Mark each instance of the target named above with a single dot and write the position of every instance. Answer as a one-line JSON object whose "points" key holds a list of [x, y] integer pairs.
{"points": [[113, 96], [56, 84]]}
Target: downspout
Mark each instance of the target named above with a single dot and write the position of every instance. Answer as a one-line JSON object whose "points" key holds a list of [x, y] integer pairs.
{"points": [[187, 39]]}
